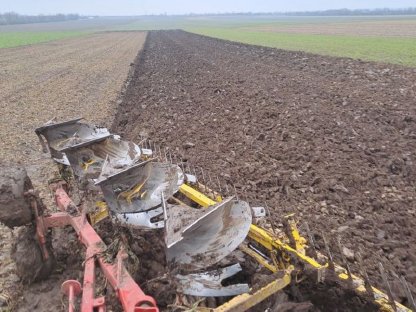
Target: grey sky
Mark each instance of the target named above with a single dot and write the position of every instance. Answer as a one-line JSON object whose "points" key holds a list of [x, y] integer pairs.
{"points": [[140, 7]]}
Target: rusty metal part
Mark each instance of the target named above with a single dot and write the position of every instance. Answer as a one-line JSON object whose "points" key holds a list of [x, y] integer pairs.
{"points": [[208, 284]]}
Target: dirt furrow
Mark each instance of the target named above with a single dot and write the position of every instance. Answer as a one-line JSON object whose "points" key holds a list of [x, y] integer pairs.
{"points": [[331, 139]]}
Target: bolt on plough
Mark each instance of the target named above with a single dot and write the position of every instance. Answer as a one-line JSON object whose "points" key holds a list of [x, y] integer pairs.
{"points": [[213, 240]]}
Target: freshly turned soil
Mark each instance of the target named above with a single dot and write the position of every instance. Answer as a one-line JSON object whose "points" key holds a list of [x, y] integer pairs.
{"points": [[331, 139]]}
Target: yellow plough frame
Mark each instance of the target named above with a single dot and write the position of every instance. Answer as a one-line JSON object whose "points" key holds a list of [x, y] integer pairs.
{"points": [[273, 245], [282, 264]]}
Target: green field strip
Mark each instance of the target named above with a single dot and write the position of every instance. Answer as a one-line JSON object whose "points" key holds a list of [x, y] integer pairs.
{"points": [[15, 39], [380, 49]]}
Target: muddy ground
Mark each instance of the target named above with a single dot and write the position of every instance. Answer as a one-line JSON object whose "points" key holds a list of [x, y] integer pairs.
{"points": [[331, 139], [64, 79]]}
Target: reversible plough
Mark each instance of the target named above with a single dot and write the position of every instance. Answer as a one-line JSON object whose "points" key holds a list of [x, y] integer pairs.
{"points": [[208, 238]]}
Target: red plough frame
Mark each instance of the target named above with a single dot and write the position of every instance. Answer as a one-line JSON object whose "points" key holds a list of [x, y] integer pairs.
{"points": [[132, 298]]}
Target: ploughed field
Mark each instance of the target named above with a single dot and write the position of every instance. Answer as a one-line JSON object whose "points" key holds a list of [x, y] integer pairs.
{"points": [[330, 139]]}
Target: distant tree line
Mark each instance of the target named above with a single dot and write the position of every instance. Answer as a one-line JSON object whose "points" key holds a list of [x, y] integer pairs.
{"points": [[347, 12], [338, 12], [11, 18]]}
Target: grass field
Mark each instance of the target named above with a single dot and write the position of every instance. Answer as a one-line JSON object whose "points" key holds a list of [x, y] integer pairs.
{"points": [[381, 49], [14, 39], [387, 39]]}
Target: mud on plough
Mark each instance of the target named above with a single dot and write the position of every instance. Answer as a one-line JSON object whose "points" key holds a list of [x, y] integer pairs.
{"points": [[212, 243]]}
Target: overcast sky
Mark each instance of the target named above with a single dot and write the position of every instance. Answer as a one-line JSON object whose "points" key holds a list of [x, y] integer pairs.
{"points": [[140, 7]]}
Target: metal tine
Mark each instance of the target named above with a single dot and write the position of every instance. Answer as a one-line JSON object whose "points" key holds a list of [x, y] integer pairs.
{"points": [[219, 184], [289, 232], [165, 215], [210, 180], [331, 265], [410, 299], [226, 189], [235, 192], [154, 152], [161, 152], [211, 186], [387, 285], [344, 259], [270, 219], [187, 164], [194, 171], [150, 145], [166, 154], [141, 143], [165, 211], [149, 142], [175, 159], [311, 240], [182, 165], [367, 284], [203, 179], [244, 197], [170, 157]]}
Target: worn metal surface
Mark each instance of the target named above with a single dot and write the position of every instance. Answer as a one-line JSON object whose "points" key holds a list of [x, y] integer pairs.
{"points": [[211, 237], [208, 284], [142, 220], [259, 212], [101, 158], [139, 187], [71, 133]]}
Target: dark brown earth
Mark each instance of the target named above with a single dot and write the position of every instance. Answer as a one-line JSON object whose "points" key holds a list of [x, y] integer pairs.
{"points": [[331, 139]]}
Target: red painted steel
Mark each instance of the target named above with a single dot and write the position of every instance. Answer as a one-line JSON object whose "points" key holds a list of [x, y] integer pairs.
{"points": [[71, 288], [132, 298]]}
